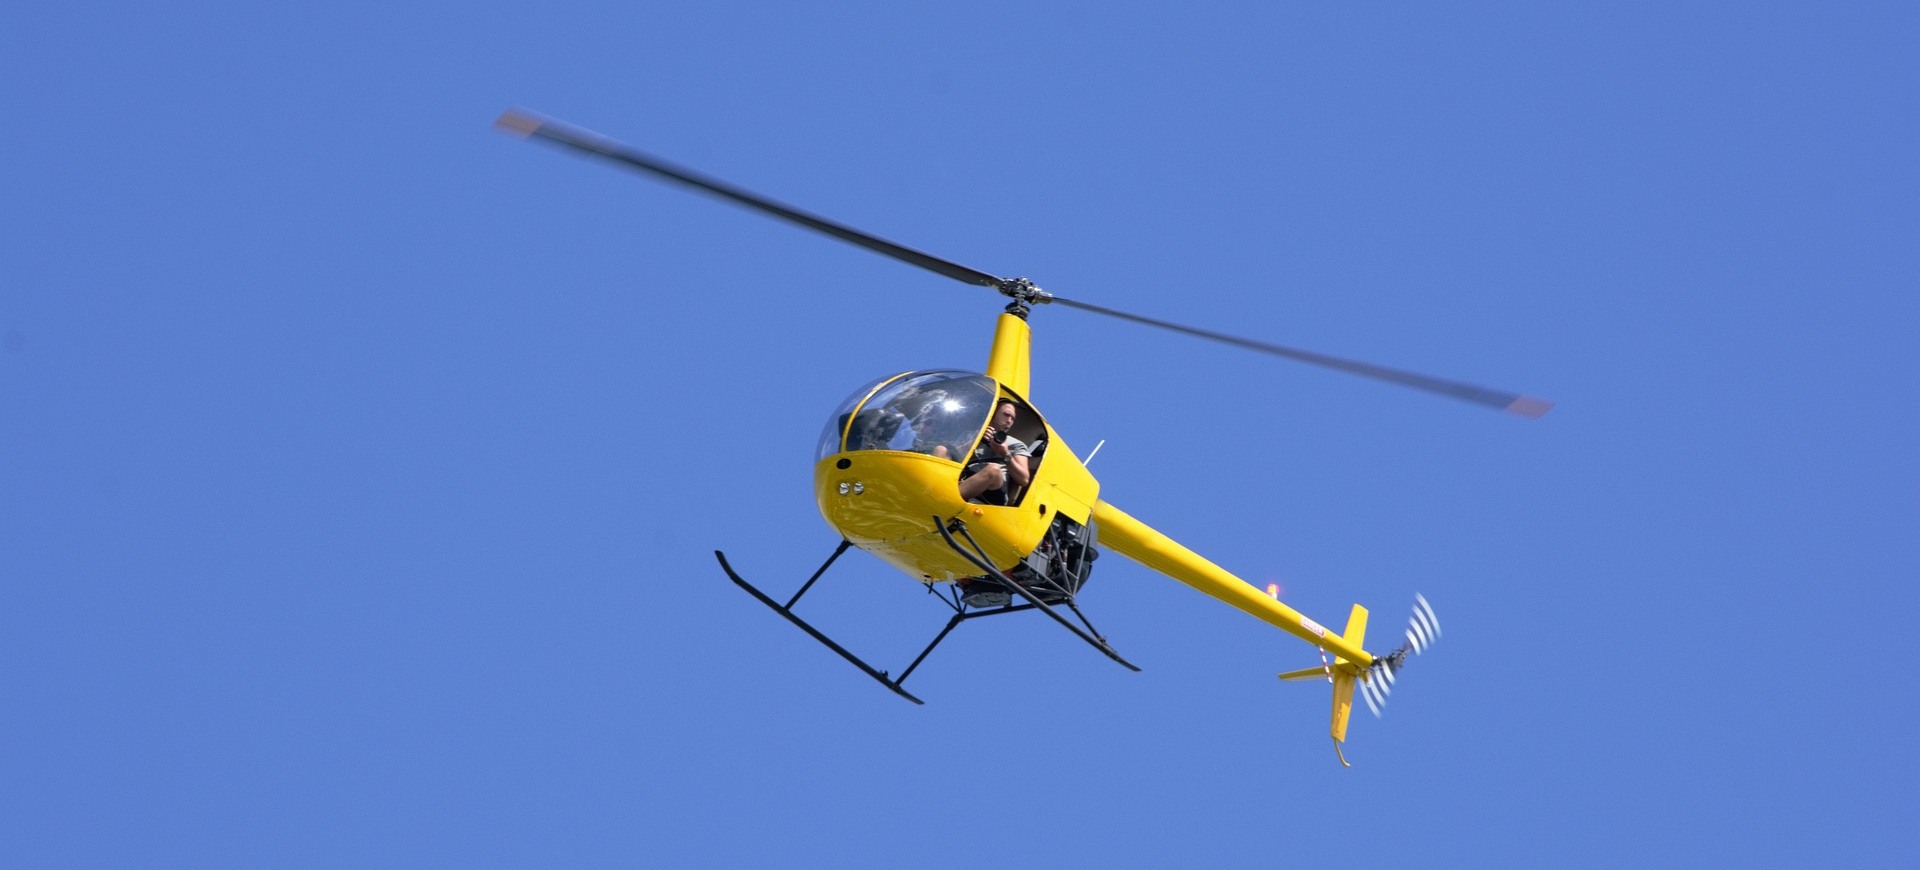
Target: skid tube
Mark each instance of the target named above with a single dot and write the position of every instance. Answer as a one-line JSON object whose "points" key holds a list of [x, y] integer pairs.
{"points": [[961, 614], [786, 611]]}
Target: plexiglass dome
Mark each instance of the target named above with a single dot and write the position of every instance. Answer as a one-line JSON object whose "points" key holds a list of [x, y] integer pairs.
{"points": [[938, 412]]}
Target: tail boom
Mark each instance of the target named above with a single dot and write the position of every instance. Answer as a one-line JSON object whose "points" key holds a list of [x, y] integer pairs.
{"points": [[1350, 667], [1140, 542]]}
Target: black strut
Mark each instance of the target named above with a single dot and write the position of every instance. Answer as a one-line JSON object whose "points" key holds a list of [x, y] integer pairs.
{"points": [[979, 560]]}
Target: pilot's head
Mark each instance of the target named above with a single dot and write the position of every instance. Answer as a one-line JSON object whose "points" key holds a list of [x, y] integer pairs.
{"points": [[1004, 414]]}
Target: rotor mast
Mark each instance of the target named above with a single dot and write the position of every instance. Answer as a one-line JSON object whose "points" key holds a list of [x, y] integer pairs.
{"points": [[1010, 362]]}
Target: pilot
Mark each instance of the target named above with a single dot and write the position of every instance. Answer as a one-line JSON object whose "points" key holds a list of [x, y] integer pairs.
{"points": [[1000, 465], [927, 433], [872, 430]]}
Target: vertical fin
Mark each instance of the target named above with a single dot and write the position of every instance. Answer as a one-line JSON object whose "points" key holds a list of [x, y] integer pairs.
{"points": [[1342, 705], [1356, 634], [1356, 631]]}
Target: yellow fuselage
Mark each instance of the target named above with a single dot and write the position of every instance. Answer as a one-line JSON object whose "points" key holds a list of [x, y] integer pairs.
{"points": [[886, 502]]}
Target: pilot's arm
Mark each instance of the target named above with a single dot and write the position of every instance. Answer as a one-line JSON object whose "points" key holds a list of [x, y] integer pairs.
{"points": [[1018, 473], [1019, 464]]}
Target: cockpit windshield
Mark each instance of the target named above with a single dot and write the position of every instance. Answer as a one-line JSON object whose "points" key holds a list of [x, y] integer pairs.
{"points": [[939, 413]]}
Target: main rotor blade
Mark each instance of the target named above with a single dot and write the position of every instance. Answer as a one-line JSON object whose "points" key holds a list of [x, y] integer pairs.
{"points": [[525, 124], [1513, 403], [528, 125]]}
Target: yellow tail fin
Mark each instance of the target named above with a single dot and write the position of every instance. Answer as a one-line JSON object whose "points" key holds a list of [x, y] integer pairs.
{"points": [[1356, 634]]}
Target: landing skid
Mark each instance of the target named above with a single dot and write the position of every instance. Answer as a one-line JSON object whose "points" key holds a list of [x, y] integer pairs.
{"points": [[787, 611], [961, 612]]}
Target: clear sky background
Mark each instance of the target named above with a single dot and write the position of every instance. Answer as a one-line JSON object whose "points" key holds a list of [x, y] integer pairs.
{"points": [[362, 467]]}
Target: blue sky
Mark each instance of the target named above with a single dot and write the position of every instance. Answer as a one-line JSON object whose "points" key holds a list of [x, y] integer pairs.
{"points": [[364, 466]]}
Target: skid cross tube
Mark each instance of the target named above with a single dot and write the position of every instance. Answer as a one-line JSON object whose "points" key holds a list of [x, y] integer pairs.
{"points": [[783, 611], [979, 560]]}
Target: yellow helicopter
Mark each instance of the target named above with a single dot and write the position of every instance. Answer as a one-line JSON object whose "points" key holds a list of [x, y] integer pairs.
{"points": [[956, 479]]}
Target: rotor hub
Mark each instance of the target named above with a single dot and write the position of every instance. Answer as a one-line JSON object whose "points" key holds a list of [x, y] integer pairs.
{"points": [[1025, 295]]}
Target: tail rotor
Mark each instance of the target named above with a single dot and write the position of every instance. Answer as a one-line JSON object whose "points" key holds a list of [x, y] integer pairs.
{"points": [[1422, 630]]}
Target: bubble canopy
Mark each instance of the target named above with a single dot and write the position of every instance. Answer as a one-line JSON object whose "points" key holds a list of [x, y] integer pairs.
{"points": [[939, 413]]}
